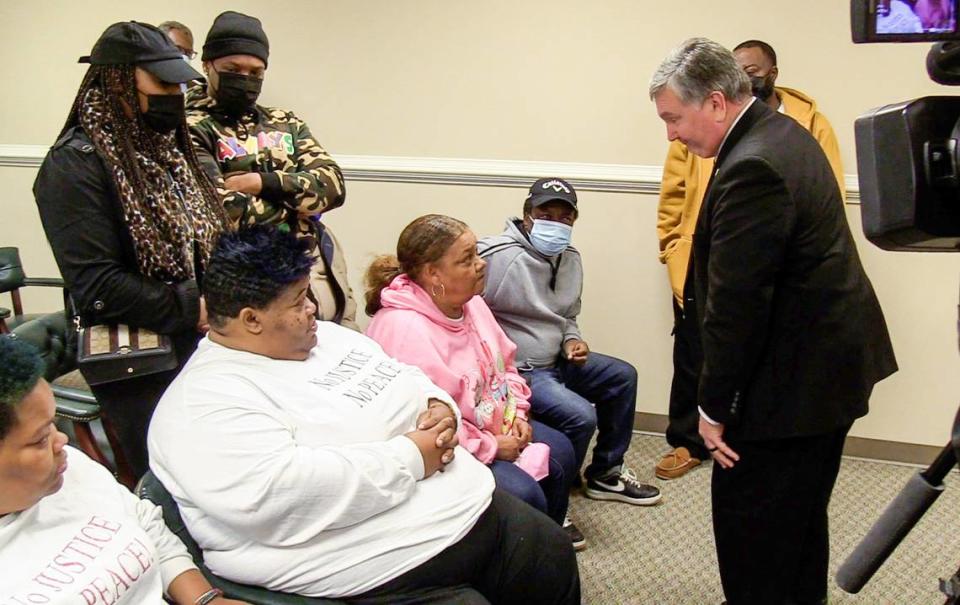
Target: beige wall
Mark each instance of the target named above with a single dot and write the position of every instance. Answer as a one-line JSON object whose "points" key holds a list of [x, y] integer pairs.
{"points": [[534, 80], [559, 80]]}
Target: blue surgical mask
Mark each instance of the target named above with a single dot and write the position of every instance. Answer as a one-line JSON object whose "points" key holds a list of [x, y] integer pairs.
{"points": [[550, 238]]}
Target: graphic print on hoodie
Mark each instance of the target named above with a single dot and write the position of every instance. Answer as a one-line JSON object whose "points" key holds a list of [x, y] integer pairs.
{"points": [[471, 358]]}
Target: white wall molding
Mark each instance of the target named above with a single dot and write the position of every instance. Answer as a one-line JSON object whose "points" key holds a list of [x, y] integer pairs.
{"points": [[620, 178], [22, 155], [617, 178]]}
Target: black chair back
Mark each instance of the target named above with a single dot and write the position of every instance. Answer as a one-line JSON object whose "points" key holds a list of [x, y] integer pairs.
{"points": [[50, 335], [12, 278], [11, 270], [150, 488]]}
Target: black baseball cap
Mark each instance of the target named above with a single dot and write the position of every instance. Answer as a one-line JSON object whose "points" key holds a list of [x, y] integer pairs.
{"points": [[143, 45], [550, 189]]}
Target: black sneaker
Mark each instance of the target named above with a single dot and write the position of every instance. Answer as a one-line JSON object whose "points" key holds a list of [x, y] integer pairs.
{"points": [[576, 536], [622, 486]]}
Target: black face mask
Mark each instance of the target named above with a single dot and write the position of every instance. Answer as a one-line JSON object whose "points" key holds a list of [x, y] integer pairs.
{"points": [[164, 112], [237, 94], [761, 86]]}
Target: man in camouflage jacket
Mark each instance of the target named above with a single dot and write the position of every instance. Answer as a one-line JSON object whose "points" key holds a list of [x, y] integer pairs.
{"points": [[266, 164]]}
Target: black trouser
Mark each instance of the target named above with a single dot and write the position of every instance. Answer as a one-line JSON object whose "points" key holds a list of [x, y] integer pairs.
{"points": [[770, 519], [683, 428], [514, 554], [128, 404]]}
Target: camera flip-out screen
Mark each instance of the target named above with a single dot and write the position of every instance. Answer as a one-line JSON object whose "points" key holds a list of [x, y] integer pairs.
{"points": [[904, 20]]}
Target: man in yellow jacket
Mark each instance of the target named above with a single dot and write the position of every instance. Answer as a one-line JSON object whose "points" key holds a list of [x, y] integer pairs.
{"points": [[685, 179]]}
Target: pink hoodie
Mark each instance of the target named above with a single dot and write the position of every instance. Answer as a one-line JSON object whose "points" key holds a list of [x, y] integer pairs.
{"points": [[470, 358]]}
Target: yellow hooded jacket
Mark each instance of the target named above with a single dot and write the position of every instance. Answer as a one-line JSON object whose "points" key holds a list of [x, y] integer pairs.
{"points": [[685, 178]]}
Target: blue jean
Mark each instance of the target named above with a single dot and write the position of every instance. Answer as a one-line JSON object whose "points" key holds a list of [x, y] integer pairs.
{"points": [[552, 493], [600, 395]]}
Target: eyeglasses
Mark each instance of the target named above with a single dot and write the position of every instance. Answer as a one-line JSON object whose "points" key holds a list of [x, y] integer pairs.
{"points": [[189, 54]]}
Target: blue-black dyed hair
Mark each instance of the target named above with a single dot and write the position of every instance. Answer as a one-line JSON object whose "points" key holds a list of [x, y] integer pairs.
{"points": [[21, 368], [250, 268]]}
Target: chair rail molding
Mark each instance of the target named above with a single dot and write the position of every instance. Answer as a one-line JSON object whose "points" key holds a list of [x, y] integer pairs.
{"points": [[616, 178], [23, 156]]}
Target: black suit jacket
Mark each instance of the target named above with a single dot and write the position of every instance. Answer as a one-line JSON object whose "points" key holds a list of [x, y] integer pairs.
{"points": [[793, 335]]}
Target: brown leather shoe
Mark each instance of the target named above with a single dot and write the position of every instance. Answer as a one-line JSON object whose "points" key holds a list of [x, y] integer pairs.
{"points": [[675, 464]]}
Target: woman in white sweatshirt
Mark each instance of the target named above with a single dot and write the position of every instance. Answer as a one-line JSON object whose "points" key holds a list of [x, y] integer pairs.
{"points": [[69, 533], [306, 460]]}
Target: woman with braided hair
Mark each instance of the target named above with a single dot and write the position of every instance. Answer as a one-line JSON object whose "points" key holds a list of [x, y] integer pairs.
{"points": [[129, 213]]}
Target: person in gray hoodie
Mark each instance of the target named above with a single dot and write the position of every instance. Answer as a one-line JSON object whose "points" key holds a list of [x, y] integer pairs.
{"points": [[533, 287]]}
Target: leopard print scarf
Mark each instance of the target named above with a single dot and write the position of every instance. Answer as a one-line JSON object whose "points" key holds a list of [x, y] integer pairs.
{"points": [[171, 218]]}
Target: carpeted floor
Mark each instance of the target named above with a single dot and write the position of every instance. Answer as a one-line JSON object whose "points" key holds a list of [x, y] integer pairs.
{"points": [[665, 554]]}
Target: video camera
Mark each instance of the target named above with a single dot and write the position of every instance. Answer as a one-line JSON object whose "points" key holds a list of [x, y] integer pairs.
{"points": [[908, 153], [908, 161]]}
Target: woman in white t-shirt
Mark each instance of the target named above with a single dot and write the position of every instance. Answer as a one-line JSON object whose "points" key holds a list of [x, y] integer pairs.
{"points": [[69, 533]]}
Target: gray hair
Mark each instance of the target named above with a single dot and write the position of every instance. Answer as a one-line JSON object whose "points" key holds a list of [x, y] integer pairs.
{"points": [[698, 67], [166, 26]]}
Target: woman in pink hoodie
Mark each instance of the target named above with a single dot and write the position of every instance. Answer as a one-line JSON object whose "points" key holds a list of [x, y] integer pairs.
{"points": [[427, 312]]}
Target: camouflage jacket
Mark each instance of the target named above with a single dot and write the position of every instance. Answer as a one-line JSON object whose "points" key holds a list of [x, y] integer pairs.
{"points": [[300, 180]]}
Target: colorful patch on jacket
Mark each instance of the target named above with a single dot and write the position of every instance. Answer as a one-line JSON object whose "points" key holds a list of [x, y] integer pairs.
{"points": [[230, 148]]}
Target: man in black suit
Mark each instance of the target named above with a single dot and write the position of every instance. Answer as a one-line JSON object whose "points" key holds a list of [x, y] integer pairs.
{"points": [[793, 336]]}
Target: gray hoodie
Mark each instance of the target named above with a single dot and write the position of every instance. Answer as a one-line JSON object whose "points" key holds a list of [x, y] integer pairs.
{"points": [[535, 298]]}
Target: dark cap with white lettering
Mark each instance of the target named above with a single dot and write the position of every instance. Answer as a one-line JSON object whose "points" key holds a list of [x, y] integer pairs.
{"points": [[550, 189]]}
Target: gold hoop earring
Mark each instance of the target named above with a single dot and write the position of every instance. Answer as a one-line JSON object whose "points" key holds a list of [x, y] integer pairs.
{"points": [[443, 291]]}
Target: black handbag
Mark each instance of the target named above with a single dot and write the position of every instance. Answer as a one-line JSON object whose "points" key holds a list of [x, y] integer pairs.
{"points": [[109, 353], [112, 352]]}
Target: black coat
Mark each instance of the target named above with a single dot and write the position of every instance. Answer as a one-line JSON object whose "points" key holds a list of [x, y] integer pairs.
{"points": [[82, 217], [84, 222], [793, 335]]}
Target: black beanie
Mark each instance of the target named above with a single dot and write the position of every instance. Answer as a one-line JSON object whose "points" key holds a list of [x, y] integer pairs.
{"points": [[234, 33]]}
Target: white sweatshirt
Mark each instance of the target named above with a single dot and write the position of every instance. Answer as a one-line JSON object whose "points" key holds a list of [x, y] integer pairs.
{"points": [[91, 543], [296, 476]]}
